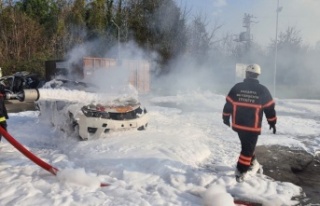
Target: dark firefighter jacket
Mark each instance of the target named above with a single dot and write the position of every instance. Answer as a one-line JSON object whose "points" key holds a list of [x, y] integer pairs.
{"points": [[246, 103], [3, 109]]}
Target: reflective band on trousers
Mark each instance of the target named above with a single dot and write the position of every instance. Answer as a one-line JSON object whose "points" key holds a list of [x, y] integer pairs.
{"points": [[2, 119]]}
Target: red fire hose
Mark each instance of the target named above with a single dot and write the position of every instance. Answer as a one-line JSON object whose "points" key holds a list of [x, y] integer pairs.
{"points": [[31, 156]]}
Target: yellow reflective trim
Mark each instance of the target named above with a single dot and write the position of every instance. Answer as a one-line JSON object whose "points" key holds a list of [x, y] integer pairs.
{"points": [[2, 119]]}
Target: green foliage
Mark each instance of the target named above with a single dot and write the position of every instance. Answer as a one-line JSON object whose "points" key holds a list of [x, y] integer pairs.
{"points": [[43, 11], [33, 31], [51, 28], [158, 25], [77, 15], [46, 29], [96, 18], [18, 41], [34, 65]]}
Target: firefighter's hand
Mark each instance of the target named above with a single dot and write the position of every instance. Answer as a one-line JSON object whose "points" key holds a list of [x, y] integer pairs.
{"points": [[226, 122], [273, 126]]}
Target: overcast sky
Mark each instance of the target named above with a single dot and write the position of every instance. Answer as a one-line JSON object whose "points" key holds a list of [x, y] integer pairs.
{"points": [[304, 15]]}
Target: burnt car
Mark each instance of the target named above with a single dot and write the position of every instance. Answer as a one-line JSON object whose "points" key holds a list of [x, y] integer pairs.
{"points": [[91, 120], [21, 80]]}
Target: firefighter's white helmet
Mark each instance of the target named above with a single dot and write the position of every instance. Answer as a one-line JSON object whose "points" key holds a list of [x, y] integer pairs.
{"points": [[254, 68]]}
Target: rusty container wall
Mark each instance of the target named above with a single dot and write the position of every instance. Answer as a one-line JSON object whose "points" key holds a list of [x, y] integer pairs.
{"points": [[139, 74], [143, 79], [139, 70], [90, 64]]}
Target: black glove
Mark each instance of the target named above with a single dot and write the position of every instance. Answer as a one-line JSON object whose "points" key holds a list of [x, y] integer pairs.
{"points": [[226, 121], [273, 126]]}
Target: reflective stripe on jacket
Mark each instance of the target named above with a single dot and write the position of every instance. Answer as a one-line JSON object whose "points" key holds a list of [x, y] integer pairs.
{"points": [[246, 103]]}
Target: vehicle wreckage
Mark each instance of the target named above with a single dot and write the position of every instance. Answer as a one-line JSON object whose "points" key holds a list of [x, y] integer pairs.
{"points": [[95, 120], [87, 121]]}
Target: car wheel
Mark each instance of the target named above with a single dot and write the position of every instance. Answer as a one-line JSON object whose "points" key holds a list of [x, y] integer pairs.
{"points": [[76, 132]]}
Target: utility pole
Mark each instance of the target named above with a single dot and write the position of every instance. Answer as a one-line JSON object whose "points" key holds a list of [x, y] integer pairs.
{"points": [[246, 39], [279, 9], [247, 20]]}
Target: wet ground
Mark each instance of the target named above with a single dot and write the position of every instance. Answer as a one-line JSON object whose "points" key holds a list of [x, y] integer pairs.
{"points": [[295, 166]]}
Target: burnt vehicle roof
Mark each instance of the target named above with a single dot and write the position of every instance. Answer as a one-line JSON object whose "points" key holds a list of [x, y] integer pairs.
{"points": [[23, 74], [70, 84], [21, 80]]}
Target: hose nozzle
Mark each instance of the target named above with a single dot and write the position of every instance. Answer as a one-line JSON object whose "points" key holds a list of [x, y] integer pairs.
{"points": [[26, 95]]}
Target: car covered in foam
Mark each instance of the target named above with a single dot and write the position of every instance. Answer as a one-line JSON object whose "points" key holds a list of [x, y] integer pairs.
{"points": [[91, 120]]}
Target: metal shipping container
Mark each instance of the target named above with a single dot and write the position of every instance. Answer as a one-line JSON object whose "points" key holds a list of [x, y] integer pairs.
{"points": [[139, 70]]}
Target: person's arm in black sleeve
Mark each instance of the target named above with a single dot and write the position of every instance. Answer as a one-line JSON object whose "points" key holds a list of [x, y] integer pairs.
{"points": [[2, 101], [227, 110], [5, 111], [270, 112]]}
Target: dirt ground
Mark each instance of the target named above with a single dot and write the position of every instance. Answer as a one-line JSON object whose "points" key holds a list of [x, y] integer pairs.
{"points": [[295, 166]]}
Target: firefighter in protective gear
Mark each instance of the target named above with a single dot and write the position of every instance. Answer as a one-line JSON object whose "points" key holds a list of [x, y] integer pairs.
{"points": [[245, 104], [3, 109]]}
